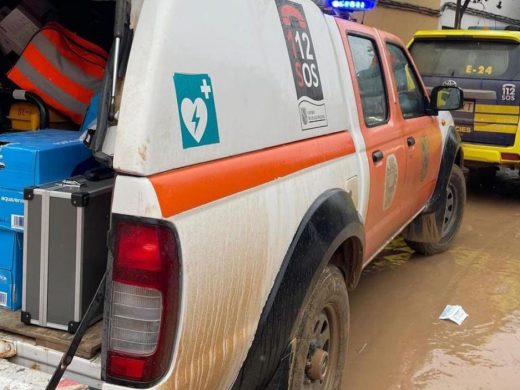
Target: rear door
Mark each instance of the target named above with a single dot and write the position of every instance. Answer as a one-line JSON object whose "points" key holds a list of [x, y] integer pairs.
{"points": [[383, 136], [422, 133], [487, 70]]}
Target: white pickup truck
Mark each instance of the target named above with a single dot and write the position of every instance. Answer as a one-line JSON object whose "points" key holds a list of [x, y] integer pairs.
{"points": [[265, 152]]}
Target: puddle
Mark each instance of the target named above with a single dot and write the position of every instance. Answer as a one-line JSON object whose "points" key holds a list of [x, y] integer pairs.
{"points": [[397, 340]]}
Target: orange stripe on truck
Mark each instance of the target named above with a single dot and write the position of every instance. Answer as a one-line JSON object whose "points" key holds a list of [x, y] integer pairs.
{"points": [[186, 188]]}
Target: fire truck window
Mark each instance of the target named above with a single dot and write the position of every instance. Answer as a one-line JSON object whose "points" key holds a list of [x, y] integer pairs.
{"points": [[370, 79], [468, 58]]}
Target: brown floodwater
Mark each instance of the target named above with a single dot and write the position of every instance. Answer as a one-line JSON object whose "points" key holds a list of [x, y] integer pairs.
{"points": [[396, 338]]}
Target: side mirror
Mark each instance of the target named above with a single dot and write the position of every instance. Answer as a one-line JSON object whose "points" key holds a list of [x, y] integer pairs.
{"points": [[445, 98]]}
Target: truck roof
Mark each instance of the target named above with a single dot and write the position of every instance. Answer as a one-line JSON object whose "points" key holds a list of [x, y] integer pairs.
{"points": [[472, 34]]}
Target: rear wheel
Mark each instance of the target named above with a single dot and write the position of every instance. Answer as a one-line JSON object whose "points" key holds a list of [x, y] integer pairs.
{"points": [[452, 215], [321, 335]]}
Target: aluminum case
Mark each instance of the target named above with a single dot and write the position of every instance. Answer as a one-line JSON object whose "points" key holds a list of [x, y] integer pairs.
{"points": [[65, 250]]}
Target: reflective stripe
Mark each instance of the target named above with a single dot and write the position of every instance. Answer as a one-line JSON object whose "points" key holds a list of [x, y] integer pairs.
{"points": [[86, 61], [62, 68], [497, 118], [59, 62], [495, 128], [496, 109], [59, 78], [27, 84], [50, 88]]}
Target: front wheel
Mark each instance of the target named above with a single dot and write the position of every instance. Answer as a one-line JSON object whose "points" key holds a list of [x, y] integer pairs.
{"points": [[321, 335], [452, 215]]}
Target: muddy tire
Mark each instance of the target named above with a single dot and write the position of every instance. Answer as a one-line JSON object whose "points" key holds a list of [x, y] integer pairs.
{"points": [[453, 214], [320, 335]]}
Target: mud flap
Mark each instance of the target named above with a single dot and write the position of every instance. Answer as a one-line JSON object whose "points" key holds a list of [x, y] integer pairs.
{"points": [[427, 226]]}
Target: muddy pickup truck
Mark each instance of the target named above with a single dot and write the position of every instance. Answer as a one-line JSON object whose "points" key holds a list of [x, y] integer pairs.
{"points": [[265, 152]]}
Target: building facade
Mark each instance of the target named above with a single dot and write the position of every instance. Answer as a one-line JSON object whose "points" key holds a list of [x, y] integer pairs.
{"points": [[490, 13], [404, 17]]}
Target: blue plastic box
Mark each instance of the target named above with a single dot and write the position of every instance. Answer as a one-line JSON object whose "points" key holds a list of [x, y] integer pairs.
{"points": [[33, 158], [29, 159], [11, 244]]}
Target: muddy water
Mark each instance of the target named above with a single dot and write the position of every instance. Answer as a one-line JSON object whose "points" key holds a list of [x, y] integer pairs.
{"points": [[397, 341]]}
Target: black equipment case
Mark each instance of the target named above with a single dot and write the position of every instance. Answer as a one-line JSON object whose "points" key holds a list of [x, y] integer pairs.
{"points": [[65, 250]]}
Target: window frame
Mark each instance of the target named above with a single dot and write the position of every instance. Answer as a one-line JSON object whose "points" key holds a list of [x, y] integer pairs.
{"points": [[418, 79], [373, 40]]}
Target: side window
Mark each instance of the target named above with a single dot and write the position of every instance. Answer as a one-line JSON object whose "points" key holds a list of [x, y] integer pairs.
{"points": [[411, 96], [370, 79]]}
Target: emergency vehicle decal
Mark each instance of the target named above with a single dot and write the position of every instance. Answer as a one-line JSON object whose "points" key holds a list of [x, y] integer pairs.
{"points": [[509, 92], [392, 173], [425, 150], [304, 64], [197, 111], [191, 187], [491, 112]]}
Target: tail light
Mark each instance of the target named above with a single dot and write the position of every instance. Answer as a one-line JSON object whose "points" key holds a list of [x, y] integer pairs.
{"points": [[144, 303], [510, 156]]}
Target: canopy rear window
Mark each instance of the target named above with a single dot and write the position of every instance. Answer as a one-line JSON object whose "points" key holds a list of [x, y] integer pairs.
{"points": [[467, 58]]}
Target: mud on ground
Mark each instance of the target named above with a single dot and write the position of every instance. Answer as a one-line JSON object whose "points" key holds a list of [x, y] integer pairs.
{"points": [[397, 340]]}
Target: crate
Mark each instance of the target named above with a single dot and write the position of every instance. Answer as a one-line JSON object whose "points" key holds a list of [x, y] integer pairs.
{"points": [[25, 116]]}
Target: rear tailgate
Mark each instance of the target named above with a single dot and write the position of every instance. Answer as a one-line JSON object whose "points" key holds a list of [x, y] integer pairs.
{"points": [[491, 110], [485, 66]]}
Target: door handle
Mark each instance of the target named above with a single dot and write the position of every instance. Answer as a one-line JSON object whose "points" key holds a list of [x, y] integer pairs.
{"points": [[377, 156], [410, 141]]}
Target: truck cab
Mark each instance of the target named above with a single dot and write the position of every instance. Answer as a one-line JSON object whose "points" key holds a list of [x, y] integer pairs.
{"points": [[484, 64], [264, 155]]}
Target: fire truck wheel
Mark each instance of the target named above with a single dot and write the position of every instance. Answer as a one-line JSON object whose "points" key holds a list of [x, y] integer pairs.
{"points": [[321, 335], [452, 215]]}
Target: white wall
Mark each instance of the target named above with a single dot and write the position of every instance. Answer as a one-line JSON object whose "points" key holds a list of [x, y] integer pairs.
{"points": [[510, 9]]}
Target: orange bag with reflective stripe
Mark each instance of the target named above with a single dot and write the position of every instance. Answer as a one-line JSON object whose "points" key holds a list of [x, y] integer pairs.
{"points": [[62, 68]]}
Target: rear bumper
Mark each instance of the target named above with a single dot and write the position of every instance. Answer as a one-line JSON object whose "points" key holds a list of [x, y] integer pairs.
{"points": [[490, 155]]}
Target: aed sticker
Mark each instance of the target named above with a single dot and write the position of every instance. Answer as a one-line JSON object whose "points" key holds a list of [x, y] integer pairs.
{"points": [[425, 150], [391, 177], [304, 64], [197, 112]]}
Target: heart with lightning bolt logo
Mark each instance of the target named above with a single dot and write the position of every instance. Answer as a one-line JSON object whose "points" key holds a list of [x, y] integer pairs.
{"points": [[197, 112], [195, 117]]}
